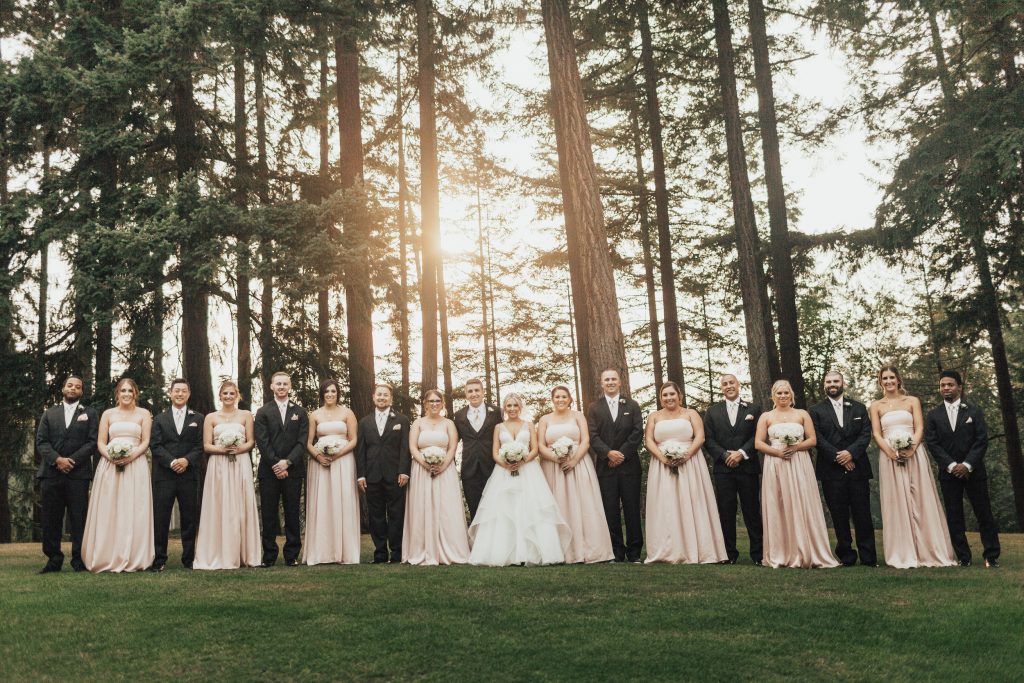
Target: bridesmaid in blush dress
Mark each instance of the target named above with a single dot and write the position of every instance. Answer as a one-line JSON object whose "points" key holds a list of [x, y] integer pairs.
{"points": [[332, 497], [682, 515], [229, 530], [573, 480], [435, 520], [119, 524], [914, 529], [795, 534]]}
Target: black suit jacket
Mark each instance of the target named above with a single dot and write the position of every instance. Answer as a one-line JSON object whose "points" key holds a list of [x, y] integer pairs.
{"points": [[720, 436], [77, 442], [624, 434], [477, 447], [967, 443], [167, 445], [853, 436], [383, 457], [281, 442]]}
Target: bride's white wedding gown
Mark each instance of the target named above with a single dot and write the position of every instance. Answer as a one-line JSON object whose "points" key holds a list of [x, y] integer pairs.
{"points": [[518, 521]]}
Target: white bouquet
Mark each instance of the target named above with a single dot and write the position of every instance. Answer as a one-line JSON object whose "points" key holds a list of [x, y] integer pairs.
{"points": [[231, 437], [563, 447], [675, 452], [901, 442], [330, 445], [513, 452], [119, 449], [789, 433], [433, 455]]}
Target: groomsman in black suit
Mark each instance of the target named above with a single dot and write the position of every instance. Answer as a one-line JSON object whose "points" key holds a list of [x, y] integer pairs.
{"points": [[66, 440], [957, 439], [844, 431], [281, 430], [729, 428], [475, 424], [616, 432], [382, 468], [177, 445]]}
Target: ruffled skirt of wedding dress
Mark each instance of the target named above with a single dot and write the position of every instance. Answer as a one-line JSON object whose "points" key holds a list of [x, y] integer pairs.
{"points": [[518, 521]]}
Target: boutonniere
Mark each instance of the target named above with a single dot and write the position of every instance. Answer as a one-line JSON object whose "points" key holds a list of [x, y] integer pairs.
{"points": [[396, 428], [622, 401], [391, 414], [743, 405], [490, 409], [295, 418], [847, 404], [964, 406], [83, 417], [749, 417]]}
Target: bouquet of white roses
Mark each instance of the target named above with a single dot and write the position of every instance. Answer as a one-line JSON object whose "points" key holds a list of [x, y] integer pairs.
{"points": [[675, 452], [119, 449], [788, 433], [563, 447], [433, 455], [230, 437], [330, 445], [513, 452], [901, 442]]}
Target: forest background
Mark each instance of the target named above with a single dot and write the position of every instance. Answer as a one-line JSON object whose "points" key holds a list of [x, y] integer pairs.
{"points": [[422, 192]]}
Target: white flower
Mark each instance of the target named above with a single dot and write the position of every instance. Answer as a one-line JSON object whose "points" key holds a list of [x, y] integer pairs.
{"points": [[513, 452], [563, 447], [788, 433], [120, 448], [674, 450], [901, 441], [433, 455], [330, 445], [230, 437]]}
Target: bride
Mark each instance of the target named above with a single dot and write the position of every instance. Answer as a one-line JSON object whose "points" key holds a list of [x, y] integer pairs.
{"points": [[518, 521]]}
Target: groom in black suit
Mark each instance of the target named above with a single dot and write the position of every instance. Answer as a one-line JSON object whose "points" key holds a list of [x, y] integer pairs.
{"points": [[66, 440], [957, 438], [177, 445], [475, 424], [844, 432], [729, 428], [616, 432], [382, 467], [281, 430]]}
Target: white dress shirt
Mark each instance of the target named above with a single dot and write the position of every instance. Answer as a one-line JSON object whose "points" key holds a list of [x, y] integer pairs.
{"points": [[69, 413], [613, 405], [476, 417], [952, 412], [838, 407], [283, 407], [382, 419], [179, 418], [733, 408]]}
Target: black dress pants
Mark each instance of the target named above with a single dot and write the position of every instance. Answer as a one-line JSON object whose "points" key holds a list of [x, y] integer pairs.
{"points": [[620, 495], [165, 492], [746, 487], [953, 490], [385, 503], [289, 492], [851, 499], [60, 495]]}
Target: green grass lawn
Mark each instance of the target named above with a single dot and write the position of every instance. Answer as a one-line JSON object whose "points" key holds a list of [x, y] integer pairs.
{"points": [[578, 622]]}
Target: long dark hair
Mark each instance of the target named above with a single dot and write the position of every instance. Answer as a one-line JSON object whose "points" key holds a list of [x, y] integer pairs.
{"points": [[323, 390]]}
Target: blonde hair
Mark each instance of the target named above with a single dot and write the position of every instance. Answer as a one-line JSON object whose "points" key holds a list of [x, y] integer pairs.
{"points": [[779, 384], [514, 398], [229, 383]]}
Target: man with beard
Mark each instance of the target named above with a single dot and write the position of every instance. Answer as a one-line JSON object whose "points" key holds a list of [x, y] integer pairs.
{"points": [[844, 432], [66, 440]]}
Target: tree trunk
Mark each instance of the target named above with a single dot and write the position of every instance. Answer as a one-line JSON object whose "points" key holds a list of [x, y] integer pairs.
{"points": [[268, 363], [243, 317], [756, 312], [494, 333], [673, 346], [194, 292], [972, 222], [590, 270], [323, 296], [446, 352], [645, 243], [430, 215], [403, 257], [783, 279], [483, 292], [358, 296]]}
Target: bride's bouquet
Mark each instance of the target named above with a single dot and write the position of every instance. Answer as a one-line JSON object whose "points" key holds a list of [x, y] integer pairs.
{"points": [[901, 442], [513, 452], [433, 455], [789, 434], [330, 445], [563, 448], [119, 449], [676, 453], [230, 437]]}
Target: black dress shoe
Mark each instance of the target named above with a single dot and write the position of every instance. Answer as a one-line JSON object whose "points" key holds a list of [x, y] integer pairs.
{"points": [[379, 560], [732, 561], [291, 563], [265, 565], [620, 559], [991, 564], [965, 563], [49, 569], [79, 567], [155, 568], [758, 563], [396, 560]]}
